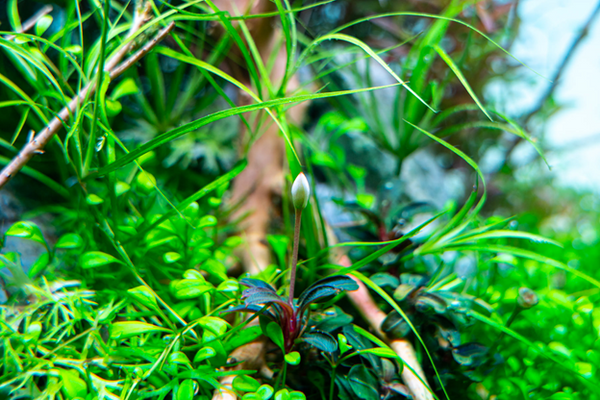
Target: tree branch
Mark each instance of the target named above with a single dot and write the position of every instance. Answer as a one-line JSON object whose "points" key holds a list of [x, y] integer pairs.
{"points": [[36, 145], [555, 79], [563, 65]]}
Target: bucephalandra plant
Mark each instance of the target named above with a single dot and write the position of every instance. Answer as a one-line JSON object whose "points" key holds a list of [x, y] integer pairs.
{"points": [[292, 316]]}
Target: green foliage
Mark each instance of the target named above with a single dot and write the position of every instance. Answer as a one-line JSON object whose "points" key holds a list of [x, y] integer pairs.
{"points": [[134, 297]]}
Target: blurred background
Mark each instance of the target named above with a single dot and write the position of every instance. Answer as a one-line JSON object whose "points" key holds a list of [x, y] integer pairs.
{"points": [[557, 37]]}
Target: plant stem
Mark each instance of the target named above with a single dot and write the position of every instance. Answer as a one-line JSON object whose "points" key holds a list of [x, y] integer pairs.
{"points": [[511, 319], [332, 385], [295, 255]]}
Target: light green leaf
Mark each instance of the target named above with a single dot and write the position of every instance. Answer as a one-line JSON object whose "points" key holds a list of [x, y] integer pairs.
{"points": [[121, 188], [190, 288], [171, 257], [127, 329], [207, 221], [113, 108], [204, 354], [126, 87], [283, 394], [69, 241], [179, 357], [26, 230], [94, 259], [72, 385], [39, 265], [93, 199], [245, 383], [295, 395], [185, 391], [265, 392], [144, 296], [230, 285], [343, 343], [292, 358], [461, 78], [216, 325], [43, 24]]}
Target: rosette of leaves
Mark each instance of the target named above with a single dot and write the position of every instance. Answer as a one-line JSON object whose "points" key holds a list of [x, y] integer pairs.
{"points": [[261, 298], [438, 314]]}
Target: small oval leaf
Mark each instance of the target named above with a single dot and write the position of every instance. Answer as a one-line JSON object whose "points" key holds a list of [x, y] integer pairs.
{"points": [[245, 383], [185, 390], [26, 230], [69, 241], [204, 354], [292, 358], [94, 259], [144, 296], [126, 329]]}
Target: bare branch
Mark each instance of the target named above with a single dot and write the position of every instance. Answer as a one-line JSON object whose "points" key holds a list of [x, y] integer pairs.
{"points": [[565, 61], [555, 79], [36, 145], [141, 52]]}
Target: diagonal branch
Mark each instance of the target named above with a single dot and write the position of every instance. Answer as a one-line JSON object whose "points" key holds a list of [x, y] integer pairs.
{"points": [[564, 63], [555, 79], [36, 145]]}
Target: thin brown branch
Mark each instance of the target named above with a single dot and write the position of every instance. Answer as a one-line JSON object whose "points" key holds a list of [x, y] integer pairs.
{"points": [[30, 23], [564, 63], [36, 145], [141, 52], [555, 79]]}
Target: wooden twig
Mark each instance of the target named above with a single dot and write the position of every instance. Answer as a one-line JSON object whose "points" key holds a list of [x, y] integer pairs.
{"points": [[556, 78], [30, 23], [36, 145], [565, 61], [141, 52]]}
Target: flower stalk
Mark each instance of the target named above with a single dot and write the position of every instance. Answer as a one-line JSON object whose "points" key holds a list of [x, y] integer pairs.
{"points": [[300, 194]]}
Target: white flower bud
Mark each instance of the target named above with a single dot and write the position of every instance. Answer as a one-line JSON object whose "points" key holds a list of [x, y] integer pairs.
{"points": [[300, 192]]}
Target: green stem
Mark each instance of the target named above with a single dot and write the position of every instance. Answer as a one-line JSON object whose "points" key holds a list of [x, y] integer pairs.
{"points": [[295, 255], [99, 78], [332, 385], [511, 319], [280, 384]]}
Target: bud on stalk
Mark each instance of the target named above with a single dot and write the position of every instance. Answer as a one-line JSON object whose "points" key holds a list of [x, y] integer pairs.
{"points": [[300, 194]]}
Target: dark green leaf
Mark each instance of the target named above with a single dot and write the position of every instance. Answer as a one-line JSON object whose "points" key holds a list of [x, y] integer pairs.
{"points": [[470, 354], [273, 332], [321, 340], [395, 326], [382, 279], [363, 383]]}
